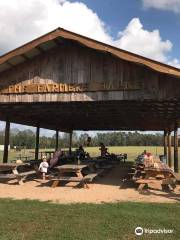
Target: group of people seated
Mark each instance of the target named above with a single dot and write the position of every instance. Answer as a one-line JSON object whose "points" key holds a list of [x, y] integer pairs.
{"points": [[143, 156], [105, 154], [80, 154]]}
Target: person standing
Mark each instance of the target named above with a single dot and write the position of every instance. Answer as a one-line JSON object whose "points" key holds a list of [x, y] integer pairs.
{"points": [[43, 167]]}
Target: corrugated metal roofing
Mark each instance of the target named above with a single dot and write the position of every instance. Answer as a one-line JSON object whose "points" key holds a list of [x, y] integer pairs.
{"points": [[48, 41]]}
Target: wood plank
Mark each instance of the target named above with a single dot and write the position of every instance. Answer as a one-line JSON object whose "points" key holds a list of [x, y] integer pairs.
{"points": [[57, 140], [176, 164], [169, 150], [24, 174], [6, 142], [90, 177], [37, 143], [55, 183], [165, 143], [68, 179], [8, 176]]}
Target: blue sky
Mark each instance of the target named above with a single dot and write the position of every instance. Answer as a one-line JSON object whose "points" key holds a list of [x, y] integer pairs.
{"points": [[118, 13], [147, 27]]}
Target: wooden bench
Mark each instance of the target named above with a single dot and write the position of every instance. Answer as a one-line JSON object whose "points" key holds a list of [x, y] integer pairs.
{"points": [[132, 168], [28, 173], [57, 180], [90, 177], [99, 172], [143, 182], [11, 176], [106, 167], [19, 176], [130, 175], [68, 179], [177, 177], [83, 181], [166, 184], [8, 176]]}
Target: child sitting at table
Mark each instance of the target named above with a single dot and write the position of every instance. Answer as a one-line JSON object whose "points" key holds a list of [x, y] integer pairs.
{"points": [[43, 167]]}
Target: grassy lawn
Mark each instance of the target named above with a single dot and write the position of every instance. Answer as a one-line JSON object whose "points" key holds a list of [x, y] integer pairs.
{"points": [[132, 151], [23, 219]]}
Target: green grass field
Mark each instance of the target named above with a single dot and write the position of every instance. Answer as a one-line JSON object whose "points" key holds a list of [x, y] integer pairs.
{"points": [[132, 151], [33, 220]]}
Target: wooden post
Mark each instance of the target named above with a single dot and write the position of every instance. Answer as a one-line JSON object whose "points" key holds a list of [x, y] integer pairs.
{"points": [[176, 167], [169, 150], [6, 142], [165, 144], [57, 140], [70, 142], [37, 144]]}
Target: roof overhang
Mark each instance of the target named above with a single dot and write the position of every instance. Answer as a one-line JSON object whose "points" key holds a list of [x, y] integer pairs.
{"points": [[52, 39]]}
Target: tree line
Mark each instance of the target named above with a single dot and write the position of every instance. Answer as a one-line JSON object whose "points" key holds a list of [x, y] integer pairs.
{"points": [[26, 139]]}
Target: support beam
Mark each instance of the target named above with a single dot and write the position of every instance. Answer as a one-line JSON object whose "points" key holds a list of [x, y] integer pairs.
{"points": [[37, 143], [6, 141], [169, 150], [70, 142], [165, 144], [57, 140], [176, 167]]}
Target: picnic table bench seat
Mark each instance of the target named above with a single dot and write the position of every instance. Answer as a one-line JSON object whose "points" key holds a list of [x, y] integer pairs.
{"points": [[131, 174], [8, 176], [19, 176], [24, 174], [100, 172], [12, 175], [107, 167], [68, 179], [165, 183], [177, 177], [90, 177], [145, 181], [87, 179]]}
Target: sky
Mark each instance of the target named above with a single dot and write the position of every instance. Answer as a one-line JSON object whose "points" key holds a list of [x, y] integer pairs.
{"points": [[147, 27]]}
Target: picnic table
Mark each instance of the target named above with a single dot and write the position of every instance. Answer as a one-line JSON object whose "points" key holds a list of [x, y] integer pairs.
{"points": [[98, 164], [154, 170], [13, 168], [46, 153], [23, 158], [66, 172]]}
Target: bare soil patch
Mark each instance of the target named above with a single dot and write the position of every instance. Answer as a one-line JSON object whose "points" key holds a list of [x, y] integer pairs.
{"points": [[109, 188]]}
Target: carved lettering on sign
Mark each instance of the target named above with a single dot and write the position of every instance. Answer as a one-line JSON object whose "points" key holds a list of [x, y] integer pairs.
{"points": [[63, 87]]}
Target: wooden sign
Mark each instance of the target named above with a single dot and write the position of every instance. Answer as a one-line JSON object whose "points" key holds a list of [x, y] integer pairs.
{"points": [[66, 88]]}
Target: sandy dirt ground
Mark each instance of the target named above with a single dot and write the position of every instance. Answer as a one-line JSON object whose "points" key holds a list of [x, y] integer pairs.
{"points": [[108, 188]]}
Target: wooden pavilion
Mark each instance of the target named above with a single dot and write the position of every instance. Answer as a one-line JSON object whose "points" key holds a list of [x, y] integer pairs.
{"points": [[64, 81]]}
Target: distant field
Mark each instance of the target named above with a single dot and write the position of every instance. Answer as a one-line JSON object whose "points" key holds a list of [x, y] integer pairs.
{"points": [[132, 151]]}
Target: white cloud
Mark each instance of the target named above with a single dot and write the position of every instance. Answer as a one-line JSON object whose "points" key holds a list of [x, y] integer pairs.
{"points": [[172, 5], [21, 21], [174, 62], [136, 39]]}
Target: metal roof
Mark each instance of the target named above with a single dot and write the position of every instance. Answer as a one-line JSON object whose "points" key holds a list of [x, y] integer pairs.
{"points": [[52, 39]]}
